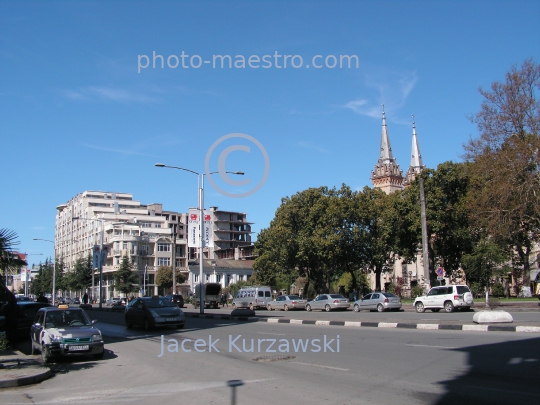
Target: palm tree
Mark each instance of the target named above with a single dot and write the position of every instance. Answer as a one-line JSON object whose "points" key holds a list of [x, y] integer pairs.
{"points": [[7, 260]]}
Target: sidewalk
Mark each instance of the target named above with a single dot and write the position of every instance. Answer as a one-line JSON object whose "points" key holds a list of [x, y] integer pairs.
{"points": [[18, 369]]}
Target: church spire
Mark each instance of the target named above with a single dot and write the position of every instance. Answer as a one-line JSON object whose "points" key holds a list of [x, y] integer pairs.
{"points": [[386, 150], [416, 165], [387, 176]]}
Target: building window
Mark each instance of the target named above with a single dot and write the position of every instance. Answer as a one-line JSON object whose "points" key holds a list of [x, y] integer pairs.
{"points": [[124, 246], [218, 278], [208, 278], [157, 225], [164, 261], [164, 247], [196, 278], [146, 224], [151, 278]]}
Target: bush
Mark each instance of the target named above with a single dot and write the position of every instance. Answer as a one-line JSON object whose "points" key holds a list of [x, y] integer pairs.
{"points": [[497, 290], [4, 343], [391, 288], [417, 291], [477, 289]]}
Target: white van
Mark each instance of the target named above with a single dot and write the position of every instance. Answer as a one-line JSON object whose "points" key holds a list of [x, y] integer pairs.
{"points": [[252, 297]]}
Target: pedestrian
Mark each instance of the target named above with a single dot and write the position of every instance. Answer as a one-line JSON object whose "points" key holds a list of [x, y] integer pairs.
{"points": [[42, 298], [355, 292], [85, 298], [224, 300]]}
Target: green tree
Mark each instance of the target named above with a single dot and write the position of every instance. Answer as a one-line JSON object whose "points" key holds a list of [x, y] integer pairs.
{"points": [[505, 164], [164, 277], [8, 262], [484, 263], [125, 279], [81, 277]]}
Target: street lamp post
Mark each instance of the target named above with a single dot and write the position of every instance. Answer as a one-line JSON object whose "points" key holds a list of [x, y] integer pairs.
{"points": [[200, 184], [26, 273], [54, 269]]}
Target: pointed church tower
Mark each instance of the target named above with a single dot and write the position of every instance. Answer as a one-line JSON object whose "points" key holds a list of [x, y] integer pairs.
{"points": [[416, 165], [387, 176]]}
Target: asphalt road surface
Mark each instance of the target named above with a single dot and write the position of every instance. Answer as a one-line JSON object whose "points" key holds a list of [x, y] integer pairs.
{"points": [[356, 366]]}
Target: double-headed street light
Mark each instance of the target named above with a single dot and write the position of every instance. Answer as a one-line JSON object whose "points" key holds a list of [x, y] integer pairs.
{"points": [[200, 177], [54, 269]]}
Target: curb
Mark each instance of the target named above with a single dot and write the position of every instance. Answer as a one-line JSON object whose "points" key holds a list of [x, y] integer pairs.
{"points": [[20, 381], [399, 325]]}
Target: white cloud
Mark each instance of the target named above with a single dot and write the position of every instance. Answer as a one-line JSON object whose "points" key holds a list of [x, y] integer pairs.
{"points": [[391, 89], [101, 93]]}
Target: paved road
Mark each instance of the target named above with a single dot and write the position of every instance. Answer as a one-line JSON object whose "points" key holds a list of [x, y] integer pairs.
{"points": [[372, 366]]}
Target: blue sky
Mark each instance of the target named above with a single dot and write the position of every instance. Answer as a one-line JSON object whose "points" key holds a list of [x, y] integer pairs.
{"points": [[77, 115]]}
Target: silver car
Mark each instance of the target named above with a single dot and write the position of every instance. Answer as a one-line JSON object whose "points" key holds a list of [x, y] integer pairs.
{"points": [[286, 302], [328, 302], [380, 301]]}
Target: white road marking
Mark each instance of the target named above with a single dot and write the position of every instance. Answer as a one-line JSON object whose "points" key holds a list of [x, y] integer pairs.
{"points": [[434, 347], [318, 365]]}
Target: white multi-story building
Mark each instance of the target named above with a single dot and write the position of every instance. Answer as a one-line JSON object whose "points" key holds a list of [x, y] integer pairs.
{"points": [[148, 235], [143, 233]]}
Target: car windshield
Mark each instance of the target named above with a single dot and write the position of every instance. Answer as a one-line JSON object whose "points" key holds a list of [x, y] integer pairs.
{"points": [[388, 295], [158, 303], [337, 296], [62, 319]]}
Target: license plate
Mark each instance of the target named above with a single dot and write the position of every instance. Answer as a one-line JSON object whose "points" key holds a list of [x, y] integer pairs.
{"points": [[77, 348], [171, 319]]}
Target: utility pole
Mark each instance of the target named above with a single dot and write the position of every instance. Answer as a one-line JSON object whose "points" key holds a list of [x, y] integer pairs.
{"points": [[425, 252]]}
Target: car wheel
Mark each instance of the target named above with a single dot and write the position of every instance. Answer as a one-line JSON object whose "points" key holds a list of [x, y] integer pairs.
{"points": [[45, 355], [327, 308], [380, 308], [269, 307], [448, 306], [99, 356], [435, 309], [308, 308], [420, 307], [285, 308], [356, 308], [146, 324]]}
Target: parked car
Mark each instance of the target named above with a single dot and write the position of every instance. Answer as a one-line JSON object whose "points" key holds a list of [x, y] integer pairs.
{"points": [[286, 302], [252, 297], [380, 301], [25, 314], [212, 295], [445, 297], [76, 301], [65, 331], [152, 312], [176, 299], [23, 299], [113, 301], [328, 302]]}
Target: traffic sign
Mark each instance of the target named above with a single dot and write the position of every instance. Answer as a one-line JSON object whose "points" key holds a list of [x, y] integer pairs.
{"points": [[440, 278], [440, 271]]}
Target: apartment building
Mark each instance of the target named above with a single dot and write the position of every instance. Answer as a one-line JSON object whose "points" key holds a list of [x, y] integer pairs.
{"points": [[148, 235]]}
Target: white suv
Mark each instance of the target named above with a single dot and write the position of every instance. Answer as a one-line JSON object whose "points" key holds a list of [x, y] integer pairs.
{"points": [[448, 297]]}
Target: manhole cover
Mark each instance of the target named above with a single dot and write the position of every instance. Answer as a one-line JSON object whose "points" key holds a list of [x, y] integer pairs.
{"points": [[273, 358]]}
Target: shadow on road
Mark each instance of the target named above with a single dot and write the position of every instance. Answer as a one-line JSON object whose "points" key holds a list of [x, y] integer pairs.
{"points": [[501, 373]]}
